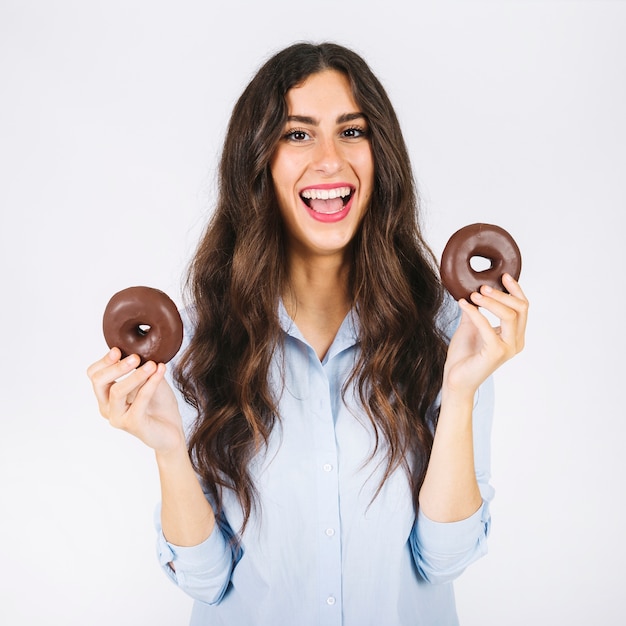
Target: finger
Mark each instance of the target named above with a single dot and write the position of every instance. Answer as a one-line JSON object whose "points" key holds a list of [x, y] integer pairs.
{"points": [[513, 287], [514, 302], [146, 392], [520, 303], [112, 356], [515, 297], [480, 322], [124, 391], [495, 302], [135, 392], [112, 366], [509, 311], [508, 330], [500, 344], [103, 379]]}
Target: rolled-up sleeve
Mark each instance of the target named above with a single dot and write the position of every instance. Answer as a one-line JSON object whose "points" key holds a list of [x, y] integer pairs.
{"points": [[442, 550], [202, 571]]}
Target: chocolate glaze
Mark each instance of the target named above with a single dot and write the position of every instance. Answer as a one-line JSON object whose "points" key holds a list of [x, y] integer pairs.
{"points": [[483, 240], [134, 308]]}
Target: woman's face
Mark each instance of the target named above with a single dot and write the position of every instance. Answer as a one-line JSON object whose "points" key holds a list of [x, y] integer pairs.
{"points": [[323, 168]]}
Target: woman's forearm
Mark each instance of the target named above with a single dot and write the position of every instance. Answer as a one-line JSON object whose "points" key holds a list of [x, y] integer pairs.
{"points": [[187, 518], [450, 491]]}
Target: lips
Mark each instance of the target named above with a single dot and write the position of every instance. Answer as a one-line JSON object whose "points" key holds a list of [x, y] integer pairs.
{"points": [[327, 200]]}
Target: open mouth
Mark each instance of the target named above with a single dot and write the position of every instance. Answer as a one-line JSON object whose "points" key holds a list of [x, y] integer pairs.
{"points": [[327, 201]]}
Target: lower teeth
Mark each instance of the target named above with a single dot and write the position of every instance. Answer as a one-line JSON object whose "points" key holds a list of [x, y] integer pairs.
{"points": [[328, 212]]}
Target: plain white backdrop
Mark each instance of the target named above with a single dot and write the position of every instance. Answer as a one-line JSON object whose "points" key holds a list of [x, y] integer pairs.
{"points": [[111, 120]]}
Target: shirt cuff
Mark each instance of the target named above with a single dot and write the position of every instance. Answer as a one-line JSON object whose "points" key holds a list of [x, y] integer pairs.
{"points": [[453, 537], [211, 556]]}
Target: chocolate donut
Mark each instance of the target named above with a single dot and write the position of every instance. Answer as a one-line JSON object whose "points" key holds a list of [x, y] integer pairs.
{"points": [[478, 240], [143, 321]]}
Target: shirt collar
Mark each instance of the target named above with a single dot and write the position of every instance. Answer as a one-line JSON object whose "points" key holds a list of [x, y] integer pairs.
{"points": [[346, 337]]}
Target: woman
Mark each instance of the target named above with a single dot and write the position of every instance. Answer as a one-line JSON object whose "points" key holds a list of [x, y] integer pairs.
{"points": [[329, 463]]}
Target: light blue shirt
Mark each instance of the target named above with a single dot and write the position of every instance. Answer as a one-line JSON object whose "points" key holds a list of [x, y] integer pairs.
{"points": [[321, 550]]}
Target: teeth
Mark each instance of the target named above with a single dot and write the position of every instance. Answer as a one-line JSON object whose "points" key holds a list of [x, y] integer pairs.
{"points": [[326, 194]]}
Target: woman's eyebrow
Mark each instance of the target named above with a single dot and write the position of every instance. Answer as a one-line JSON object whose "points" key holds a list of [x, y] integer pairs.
{"points": [[349, 117], [305, 119]]}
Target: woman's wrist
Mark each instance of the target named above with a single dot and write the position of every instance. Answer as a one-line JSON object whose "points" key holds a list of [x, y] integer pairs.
{"points": [[460, 398], [176, 456]]}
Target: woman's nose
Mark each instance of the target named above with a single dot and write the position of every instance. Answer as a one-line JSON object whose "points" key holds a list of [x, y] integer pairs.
{"points": [[328, 159]]}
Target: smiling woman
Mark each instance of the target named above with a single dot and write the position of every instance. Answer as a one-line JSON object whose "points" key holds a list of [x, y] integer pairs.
{"points": [[323, 450], [323, 168]]}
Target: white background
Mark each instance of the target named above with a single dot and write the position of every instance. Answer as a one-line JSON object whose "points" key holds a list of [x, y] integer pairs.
{"points": [[111, 119]]}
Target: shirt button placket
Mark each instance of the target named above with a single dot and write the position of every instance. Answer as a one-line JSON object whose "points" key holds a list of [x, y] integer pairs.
{"points": [[328, 510]]}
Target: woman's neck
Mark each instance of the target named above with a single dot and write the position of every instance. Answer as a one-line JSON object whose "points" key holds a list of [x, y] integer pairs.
{"points": [[317, 298]]}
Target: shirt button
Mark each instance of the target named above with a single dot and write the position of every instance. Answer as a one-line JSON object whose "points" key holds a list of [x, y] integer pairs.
{"points": [[327, 467], [330, 532], [330, 600]]}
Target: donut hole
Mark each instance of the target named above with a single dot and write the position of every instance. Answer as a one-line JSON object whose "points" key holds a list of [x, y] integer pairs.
{"points": [[143, 329], [480, 263]]}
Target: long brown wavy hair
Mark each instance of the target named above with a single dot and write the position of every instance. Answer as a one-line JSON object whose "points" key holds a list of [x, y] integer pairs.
{"points": [[238, 275]]}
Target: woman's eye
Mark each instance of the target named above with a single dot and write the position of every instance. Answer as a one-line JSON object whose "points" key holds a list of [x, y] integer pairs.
{"points": [[354, 132], [297, 135]]}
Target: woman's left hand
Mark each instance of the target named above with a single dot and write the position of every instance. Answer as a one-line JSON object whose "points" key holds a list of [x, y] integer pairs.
{"points": [[477, 349]]}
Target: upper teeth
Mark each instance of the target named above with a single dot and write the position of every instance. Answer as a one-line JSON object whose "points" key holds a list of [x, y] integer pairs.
{"points": [[326, 194]]}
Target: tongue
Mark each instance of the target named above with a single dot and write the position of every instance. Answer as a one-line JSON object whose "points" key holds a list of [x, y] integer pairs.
{"points": [[327, 206]]}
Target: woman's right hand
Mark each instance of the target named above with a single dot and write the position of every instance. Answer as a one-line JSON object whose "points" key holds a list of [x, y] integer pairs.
{"points": [[138, 400]]}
